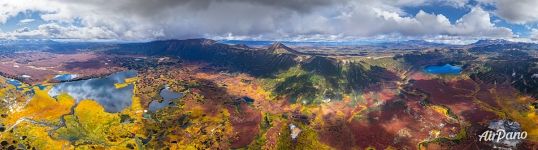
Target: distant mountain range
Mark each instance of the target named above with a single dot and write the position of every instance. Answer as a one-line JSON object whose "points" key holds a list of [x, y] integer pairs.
{"points": [[52, 45], [49, 45], [381, 44], [491, 42], [500, 44], [409, 44]]}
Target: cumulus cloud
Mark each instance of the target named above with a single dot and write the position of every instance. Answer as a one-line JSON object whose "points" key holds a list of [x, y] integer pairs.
{"points": [[56, 31], [244, 19], [516, 11], [534, 34], [478, 23], [454, 3], [364, 20]]}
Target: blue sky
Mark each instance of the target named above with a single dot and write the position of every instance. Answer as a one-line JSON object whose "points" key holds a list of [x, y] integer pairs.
{"points": [[455, 13], [452, 13], [295, 20], [30, 20]]}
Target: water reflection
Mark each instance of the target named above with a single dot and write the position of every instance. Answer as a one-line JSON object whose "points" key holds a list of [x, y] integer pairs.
{"points": [[65, 77], [101, 90], [168, 97], [14, 82]]}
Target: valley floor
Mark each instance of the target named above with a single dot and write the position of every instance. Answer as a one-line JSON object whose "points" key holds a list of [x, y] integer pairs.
{"points": [[223, 109]]}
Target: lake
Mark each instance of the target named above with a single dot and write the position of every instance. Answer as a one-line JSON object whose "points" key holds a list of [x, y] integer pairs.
{"points": [[14, 82], [19, 85], [101, 90], [65, 77], [168, 97], [443, 69]]}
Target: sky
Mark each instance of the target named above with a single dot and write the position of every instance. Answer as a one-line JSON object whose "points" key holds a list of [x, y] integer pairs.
{"points": [[448, 21]]}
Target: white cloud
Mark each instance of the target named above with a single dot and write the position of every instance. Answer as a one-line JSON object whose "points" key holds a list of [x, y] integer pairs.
{"points": [[454, 3], [55, 31], [515, 11], [478, 23], [534, 34], [262, 19], [26, 21], [365, 20], [10, 9]]}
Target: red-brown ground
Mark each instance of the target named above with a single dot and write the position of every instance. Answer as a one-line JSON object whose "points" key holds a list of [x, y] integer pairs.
{"points": [[41, 66], [245, 122], [459, 98]]}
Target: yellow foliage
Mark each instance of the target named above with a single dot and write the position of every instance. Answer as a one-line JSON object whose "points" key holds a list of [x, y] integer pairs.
{"points": [[440, 109], [126, 83], [525, 117], [91, 124], [36, 136], [42, 107], [307, 139], [370, 148], [91, 112], [435, 133], [443, 110], [528, 121], [212, 128], [120, 85], [131, 80]]}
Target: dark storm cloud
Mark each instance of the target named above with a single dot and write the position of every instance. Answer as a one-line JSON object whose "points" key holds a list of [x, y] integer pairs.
{"points": [[297, 5], [155, 6], [199, 18], [247, 19]]}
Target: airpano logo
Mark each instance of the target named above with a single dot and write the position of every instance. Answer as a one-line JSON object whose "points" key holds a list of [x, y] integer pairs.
{"points": [[501, 134]]}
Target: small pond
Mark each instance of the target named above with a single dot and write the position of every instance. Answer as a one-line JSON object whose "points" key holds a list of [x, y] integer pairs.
{"points": [[168, 97], [14, 82]]}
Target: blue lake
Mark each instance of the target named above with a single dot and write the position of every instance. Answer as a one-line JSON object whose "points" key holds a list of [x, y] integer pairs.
{"points": [[65, 77], [19, 85], [443, 69], [14, 82], [101, 90], [168, 97]]}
